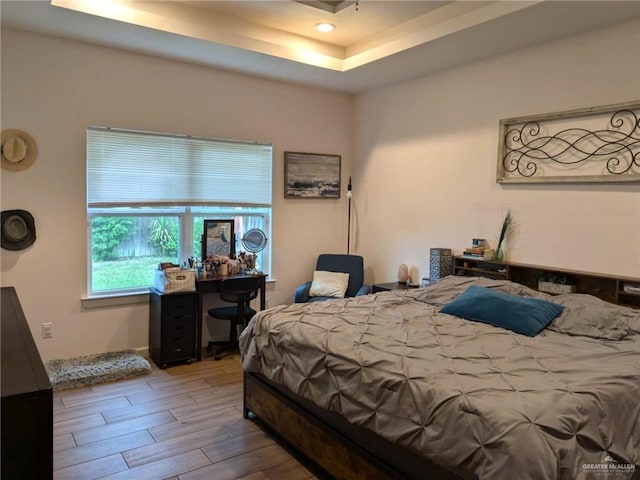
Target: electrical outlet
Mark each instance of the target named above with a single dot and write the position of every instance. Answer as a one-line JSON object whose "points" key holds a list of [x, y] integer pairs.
{"points": [[47, 330]]}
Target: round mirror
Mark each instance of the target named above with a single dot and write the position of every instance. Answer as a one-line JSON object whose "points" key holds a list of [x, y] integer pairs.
{"points": [[254, 240]]}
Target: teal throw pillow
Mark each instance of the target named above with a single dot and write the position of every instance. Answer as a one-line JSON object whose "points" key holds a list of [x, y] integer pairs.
{"points": [[527, 316]]}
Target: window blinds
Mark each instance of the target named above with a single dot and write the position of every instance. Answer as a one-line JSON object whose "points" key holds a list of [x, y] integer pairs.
{"points": [[131, 168]]}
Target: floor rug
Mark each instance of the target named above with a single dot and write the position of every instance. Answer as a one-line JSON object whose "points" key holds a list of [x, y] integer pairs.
{"points": [[91, 369]]}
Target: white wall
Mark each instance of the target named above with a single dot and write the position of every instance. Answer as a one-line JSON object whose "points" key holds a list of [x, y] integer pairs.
{"points": [[426, 150], [54, 89], [424, 168]]}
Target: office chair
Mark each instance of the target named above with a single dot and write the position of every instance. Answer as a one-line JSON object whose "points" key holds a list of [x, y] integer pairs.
{"points": [[238, 290]]}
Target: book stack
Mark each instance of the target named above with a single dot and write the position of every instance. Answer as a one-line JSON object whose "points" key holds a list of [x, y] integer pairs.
{"points": [[479, 250]]}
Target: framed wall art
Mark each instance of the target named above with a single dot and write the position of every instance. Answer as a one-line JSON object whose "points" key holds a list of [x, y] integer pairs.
{"points": [[218, 238], [311, 175], [599, 144]]}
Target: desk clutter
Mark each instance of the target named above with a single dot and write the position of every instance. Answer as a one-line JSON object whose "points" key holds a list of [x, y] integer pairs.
{"points": [[222, 265], [170, 278]]}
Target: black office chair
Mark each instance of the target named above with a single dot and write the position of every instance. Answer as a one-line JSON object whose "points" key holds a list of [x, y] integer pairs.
{"points": [[238, 290]]}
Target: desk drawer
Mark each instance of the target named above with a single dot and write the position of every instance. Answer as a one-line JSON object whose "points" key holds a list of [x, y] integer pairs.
{"points": [[178, 322], [172, 327], [179, 305], [178, 339], [171, 353], [178, 327]]}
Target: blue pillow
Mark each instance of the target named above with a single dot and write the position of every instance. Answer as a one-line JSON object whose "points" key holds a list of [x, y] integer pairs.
{"points": [[527, 316]]}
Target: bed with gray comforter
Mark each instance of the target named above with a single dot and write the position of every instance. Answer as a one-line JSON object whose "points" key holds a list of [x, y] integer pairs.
{"points": [[482, 401]]}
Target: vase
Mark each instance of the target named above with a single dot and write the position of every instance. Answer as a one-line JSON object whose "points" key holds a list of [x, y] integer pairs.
{"points": [[498, 255], [439, 263]]}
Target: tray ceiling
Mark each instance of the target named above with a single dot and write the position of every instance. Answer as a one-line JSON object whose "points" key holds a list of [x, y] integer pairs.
{"points": [[375, 43]]}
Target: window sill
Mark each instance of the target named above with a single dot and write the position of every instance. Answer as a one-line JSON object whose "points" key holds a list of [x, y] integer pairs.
{"points": [[113, 300]]}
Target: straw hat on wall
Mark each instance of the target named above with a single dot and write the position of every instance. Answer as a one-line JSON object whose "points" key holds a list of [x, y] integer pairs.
{"points": [[19, 151]]}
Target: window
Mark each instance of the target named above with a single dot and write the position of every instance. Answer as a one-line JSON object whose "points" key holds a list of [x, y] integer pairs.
{"points": [[148, 195]]}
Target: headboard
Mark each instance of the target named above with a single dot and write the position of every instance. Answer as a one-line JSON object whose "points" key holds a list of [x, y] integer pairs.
{"points": [[615, 289]]}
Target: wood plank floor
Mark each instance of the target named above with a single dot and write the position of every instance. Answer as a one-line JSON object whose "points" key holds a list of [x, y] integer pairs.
{"points": [[181, 423]]}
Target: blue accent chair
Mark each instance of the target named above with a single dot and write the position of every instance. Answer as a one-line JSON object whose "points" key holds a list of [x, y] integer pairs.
{"points": [[328, 262]]}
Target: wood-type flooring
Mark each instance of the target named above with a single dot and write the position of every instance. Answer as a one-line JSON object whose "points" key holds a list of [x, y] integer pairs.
{"points": [[181, 423]]}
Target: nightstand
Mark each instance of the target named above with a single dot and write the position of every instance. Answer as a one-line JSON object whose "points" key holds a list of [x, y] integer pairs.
{"points": [[385, 287]]}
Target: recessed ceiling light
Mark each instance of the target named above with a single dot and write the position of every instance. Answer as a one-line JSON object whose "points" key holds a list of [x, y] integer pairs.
{"points": [[325, 27]]}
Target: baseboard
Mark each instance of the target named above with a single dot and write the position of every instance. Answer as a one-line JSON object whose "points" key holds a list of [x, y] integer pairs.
{"points": [[144, 351]]}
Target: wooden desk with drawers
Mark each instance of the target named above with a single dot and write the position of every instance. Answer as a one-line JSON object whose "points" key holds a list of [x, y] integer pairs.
{"points": [[175, 320]]}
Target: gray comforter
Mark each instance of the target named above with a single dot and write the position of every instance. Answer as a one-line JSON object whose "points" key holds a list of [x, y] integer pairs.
{"points": [[481, 401]]}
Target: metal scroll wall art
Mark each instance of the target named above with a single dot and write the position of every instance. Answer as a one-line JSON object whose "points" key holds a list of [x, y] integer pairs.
{"points": [[600, 144]]}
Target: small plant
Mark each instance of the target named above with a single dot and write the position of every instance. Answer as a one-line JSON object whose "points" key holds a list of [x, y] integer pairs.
{"points": [[507, 221]]}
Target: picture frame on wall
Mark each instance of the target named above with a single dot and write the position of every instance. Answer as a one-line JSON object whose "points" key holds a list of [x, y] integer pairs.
{"points": [[218, 238], [311, 175], [589, 145]]}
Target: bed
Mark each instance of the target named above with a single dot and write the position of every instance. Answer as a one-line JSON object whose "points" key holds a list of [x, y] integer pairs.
{"points": [[389, 386]]}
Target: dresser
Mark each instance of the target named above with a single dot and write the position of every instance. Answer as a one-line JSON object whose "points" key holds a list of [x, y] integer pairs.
{"points": [[27, 399], [172, 327]]}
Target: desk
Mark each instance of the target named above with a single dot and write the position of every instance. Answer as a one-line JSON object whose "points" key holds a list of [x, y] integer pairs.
{"points": [[212, 285]]}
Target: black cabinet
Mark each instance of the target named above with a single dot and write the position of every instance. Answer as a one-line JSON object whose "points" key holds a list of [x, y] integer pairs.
{"points": [[27, 399], [172, 327]]}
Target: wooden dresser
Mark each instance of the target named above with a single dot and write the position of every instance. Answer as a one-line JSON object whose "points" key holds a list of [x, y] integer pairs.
{"points": [[27, 399]]}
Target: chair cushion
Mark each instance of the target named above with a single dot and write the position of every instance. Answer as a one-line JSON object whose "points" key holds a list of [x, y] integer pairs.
{"points": [[230, 313], [526, 316], [329, 284], [351, 264]]}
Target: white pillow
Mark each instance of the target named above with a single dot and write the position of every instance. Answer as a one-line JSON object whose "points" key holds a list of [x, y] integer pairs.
{"points": [[329, 284]]}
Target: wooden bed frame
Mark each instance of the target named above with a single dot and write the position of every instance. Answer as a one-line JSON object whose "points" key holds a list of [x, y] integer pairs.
{"points": [[348, 452], [344, 451]]}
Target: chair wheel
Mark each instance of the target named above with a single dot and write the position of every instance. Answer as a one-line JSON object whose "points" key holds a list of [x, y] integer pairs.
{"points": [[217, 357]]}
